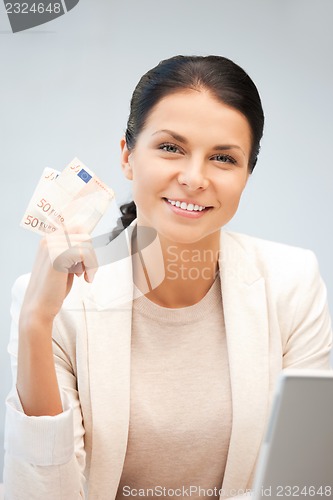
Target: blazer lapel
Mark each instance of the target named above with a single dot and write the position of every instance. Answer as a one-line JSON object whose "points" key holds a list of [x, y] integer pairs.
{"points": [[247, 330], [108, 310]]}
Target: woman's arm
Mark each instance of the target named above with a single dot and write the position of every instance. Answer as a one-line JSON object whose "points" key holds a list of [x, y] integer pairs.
{"points": [[45, 455], [37, 383], [50, 283], [309, 341]]}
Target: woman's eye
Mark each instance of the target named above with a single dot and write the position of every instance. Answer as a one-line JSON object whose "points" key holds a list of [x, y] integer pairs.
{"points": [[169, 148], [224, 159]]}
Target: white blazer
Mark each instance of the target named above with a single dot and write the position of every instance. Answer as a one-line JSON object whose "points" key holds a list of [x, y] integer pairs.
{"points": [[276, 316]]}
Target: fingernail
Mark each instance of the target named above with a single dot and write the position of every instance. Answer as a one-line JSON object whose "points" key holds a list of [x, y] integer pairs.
{"points": [[89, 277]]}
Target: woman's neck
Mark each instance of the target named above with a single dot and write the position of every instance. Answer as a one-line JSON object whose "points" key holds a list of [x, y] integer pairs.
{"points": [[189, 270]]}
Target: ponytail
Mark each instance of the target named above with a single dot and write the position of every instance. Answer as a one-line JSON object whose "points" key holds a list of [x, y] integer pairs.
{"points": [[129, 213]]}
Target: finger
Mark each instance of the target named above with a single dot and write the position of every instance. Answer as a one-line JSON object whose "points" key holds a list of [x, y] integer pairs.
{"points": [[90, 264], [78, 260], [70, 261], [89, 275], [77, 268], [59, 242]]}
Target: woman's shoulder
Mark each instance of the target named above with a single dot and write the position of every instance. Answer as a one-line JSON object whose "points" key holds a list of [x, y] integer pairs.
{"points": [[273, 258], [68, 322], [256, 246], [19, 286], [75, 296]]}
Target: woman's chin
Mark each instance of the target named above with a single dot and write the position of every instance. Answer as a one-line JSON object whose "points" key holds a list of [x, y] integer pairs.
{"points": [[183, 237]]}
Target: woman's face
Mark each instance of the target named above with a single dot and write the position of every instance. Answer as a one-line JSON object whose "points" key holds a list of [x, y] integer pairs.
{"points": [[193, 151]]}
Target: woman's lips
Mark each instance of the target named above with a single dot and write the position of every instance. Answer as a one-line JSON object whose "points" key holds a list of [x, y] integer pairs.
{"points": [[190, 214]]}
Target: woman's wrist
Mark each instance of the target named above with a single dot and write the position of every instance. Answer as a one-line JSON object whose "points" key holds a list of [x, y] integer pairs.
{"points": [[35, 323]]}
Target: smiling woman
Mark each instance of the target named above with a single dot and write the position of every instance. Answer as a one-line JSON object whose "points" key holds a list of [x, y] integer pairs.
{"points": [[158, 377], [192, 140]]}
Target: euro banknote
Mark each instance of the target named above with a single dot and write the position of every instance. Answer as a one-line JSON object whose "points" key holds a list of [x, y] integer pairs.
{"points": [[73, 198]]}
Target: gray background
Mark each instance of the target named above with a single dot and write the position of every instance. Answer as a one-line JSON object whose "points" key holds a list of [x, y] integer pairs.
{"points": [[65, 90]]}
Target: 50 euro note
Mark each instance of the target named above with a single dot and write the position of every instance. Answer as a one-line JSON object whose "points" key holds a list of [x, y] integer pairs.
{"points": [[73, 198]]}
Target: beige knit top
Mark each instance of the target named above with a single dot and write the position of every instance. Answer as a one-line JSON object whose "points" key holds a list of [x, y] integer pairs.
{"points": [[180, 416]]}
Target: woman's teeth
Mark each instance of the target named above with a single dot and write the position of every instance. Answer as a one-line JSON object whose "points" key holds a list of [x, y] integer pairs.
{"points": [[190, 207]]}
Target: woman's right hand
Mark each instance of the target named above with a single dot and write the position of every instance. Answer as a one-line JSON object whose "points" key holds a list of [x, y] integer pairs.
{"points": [[60, 256]]}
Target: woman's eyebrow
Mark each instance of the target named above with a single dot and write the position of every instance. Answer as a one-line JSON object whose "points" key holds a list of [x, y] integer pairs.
{"points": [[227, 147], [180, 138], [176, 136]]}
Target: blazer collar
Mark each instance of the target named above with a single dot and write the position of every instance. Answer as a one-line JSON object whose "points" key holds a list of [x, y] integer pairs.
{"points": [[113, 286], [247, 330]]}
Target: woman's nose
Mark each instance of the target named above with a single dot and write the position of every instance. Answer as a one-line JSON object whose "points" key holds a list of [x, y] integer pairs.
{"points": [[193, 175]]}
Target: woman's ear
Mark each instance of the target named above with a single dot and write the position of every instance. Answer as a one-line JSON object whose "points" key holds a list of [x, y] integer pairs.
{"points": [[125, 160]]}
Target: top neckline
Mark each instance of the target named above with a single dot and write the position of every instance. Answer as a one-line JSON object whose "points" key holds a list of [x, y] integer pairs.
{"points": [[188, 314]]}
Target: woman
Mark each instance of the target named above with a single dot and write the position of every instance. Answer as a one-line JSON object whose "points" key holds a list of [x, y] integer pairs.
{"points": [[141, 381]]}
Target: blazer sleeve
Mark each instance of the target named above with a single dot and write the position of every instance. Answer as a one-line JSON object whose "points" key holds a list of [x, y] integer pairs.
{"points": [[309, 342], [44, 456]]}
